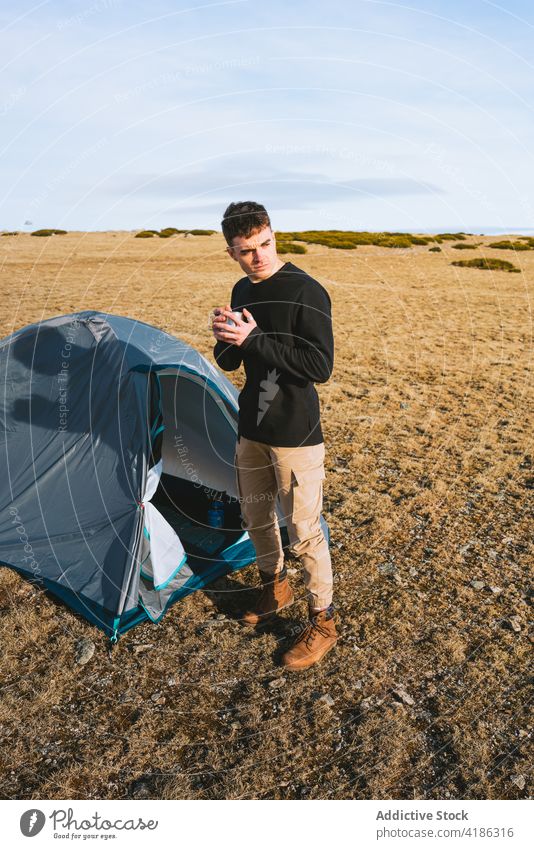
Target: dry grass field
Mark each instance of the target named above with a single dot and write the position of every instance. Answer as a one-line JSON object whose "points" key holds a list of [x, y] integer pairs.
{"points": [[429, 497]]}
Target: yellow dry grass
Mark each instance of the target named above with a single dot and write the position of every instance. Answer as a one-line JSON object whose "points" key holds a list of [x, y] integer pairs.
{"points": [[430, 475]]}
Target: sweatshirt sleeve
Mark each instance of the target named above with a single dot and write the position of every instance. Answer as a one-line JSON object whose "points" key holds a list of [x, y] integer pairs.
{"points": [[227, 356], [312, 355]]}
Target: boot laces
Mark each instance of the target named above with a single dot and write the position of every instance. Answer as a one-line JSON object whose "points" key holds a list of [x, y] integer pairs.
{"points": [[307, 635]]}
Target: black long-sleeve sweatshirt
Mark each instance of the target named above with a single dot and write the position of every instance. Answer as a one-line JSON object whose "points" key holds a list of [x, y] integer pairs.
{"points": [[291, 349]]}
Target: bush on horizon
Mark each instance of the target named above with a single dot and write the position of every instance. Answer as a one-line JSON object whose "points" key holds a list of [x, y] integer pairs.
{"points": [[350, 239], [51, 232], [169, 231], [290, 248], [487, 264], [512, 246]]}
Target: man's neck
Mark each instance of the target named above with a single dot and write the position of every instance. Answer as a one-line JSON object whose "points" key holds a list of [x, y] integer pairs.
{"points": [[277, 267]]}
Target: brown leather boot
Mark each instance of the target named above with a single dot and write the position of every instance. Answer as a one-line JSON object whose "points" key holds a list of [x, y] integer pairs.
{"points": [[314, 641], [275, 595]]}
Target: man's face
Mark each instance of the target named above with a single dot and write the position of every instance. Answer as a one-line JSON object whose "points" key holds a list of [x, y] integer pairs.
{"points": [[256, 254]]}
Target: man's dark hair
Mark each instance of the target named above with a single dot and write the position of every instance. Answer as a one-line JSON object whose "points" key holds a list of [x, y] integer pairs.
{"points": [[243, 219]]}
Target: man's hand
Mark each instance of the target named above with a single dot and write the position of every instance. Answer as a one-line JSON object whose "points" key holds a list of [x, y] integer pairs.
{"points": [[232, 335]]}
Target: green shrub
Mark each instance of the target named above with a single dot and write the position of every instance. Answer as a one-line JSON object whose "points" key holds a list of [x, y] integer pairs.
{"points": [[512, 246], [451, 237], [290, 248], [48, 233], [395, 242], [436, 249], [201, 232], [146, 234], [328, 238], [338, 244], [351, 239], [487, 264], [170, 231], [10, 233], [464, 246]]}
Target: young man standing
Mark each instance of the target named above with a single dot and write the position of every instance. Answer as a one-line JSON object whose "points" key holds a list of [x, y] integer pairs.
{"points": [[284, 340]]}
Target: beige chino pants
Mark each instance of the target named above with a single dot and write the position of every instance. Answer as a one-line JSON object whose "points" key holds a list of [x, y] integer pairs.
{"points": [[296, 476]]}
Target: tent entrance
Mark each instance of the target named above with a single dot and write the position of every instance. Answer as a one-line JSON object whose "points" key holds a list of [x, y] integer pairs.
{"points": [[185, 506], [193, 441], [198, 465]]}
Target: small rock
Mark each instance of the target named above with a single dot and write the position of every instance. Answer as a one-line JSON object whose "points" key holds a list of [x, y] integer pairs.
{"points": [[155, 697], [515, 622], [85, 649], [404, 405], [277, 683], [388, 569], [140, 790], [220, 616], [141, 647], [477, 585], [291, 571], [327, 700], [235, 725], [403, 696], [496, 590], [519, 780], [171, 681], [413, 571]]}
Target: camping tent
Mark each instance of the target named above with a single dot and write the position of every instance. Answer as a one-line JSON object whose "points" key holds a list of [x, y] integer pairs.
{"points": [[115, 438]]}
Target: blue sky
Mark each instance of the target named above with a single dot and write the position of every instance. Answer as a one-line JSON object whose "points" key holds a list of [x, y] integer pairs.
{"points": [[349, 115]]}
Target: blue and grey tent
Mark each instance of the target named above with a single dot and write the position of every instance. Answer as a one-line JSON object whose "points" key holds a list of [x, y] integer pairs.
{"points": [[115, 438]]}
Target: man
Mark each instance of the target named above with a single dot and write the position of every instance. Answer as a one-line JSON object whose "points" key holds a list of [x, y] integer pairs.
{"points": [[284, 339]]}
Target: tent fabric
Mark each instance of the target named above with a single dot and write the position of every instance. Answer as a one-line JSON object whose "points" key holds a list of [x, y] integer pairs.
{"points": [[167, 554], [113, 436]]}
